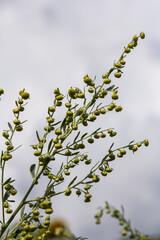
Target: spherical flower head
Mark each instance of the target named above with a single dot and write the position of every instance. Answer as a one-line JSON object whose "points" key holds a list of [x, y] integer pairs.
{"points": [[25, 95]]}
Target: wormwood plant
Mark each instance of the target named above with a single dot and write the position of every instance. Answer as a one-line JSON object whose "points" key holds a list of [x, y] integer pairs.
{"points": [[79, 112]]}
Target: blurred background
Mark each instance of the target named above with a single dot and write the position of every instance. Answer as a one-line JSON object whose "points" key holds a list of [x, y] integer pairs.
{"points": [[47, 44]]}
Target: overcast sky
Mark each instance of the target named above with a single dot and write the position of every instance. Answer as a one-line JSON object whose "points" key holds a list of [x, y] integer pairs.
{"points": [[47, 44]]}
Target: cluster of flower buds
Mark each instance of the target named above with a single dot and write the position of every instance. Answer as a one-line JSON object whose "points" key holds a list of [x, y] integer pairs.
{"points": [[75, 93], [10, 190], [27, 229], [119, 215], [119, 65], [8, 134], [76, 115], [83, 113]]}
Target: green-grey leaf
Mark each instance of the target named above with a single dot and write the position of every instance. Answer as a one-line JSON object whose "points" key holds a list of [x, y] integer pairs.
{"points": [[6, 196], [60, 169], [10, 126], [131, 142], [74, 107], [92, 102], [37, 136], [22, 211], [96, 131], [72, 181], [63, 125], [32, 170], [75, 153], [83, 135], [111, 146], [76, 136], [16, 103], [56, 123], [50, 144], [7, 181], [110, 88], [11, 200]]}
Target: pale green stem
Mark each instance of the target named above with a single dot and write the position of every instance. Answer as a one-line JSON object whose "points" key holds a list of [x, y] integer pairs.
{"points": [[21, 203], [2, 192]]}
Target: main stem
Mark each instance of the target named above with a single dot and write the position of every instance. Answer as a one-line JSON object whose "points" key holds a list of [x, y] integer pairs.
{"points": [[21, 203], [2, 192]]}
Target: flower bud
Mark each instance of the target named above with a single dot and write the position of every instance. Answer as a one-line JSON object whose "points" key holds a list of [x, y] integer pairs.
{"points": [[142, 35], [25, 95]]}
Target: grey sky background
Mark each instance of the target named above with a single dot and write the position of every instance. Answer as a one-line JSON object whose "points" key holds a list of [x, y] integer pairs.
{"points": [[50, 44]]}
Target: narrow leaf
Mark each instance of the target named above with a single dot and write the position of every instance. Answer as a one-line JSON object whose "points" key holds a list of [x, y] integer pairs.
{"points": [[110, 160], [24, 121], [16, 103], [60, 169], [94, 166], [50, 144], [93, 106], [72, 181], [12, 181], [38, 136], [10, 126], [32, 170], [56, 123], [122, 208], [98, 106], [46, 161], [7, 181], [11, 200], [83, 135], [74, 107], [96, 131], [111, 146], [6, 196], [49, 189], [63, 125], [75, 153], [110, 88], [76, 136], [92, 102], [104, 158], [22, 211]]}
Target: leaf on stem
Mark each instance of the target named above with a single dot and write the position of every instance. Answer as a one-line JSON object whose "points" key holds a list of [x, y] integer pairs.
{"points": [[50, 144], [96, 131], [32, 170], [63, 125], [75, 153], [56, 123], [72, 181], [74, 107], [10, 127], [111, 146], [83, 135], [60, 169], [6, 196], [76, 137], [110, 88], [22, 211], [38, 136], [8, 181], [16, 103]]}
